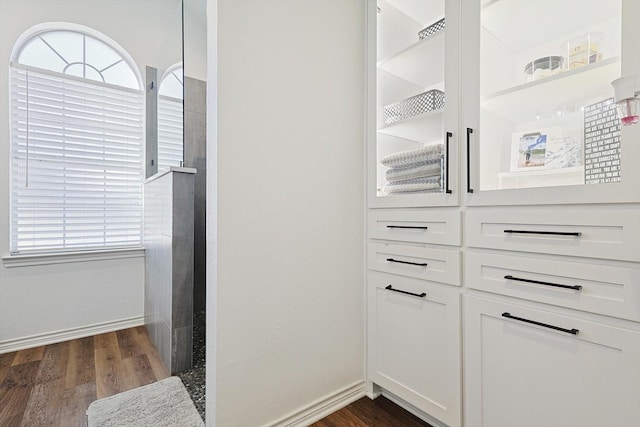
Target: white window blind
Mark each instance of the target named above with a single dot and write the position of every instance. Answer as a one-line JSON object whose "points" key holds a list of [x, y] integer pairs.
{"points": [[76, 163], [170, 128]]}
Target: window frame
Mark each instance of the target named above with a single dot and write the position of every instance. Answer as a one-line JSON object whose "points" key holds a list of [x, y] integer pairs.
{"points": [[26, 257]]}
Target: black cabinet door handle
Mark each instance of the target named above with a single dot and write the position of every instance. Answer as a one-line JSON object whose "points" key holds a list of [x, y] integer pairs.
{"points": [[545, 325], [422, 295], [412, 227], [421, 264], [446, 166], [469, 132], [552, 233], [556, 285]]}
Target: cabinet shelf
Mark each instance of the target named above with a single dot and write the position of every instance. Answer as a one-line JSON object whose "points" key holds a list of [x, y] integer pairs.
{"points": [[425, 127], [542, 177], [415, 63], [569, 89], [549, 26]]}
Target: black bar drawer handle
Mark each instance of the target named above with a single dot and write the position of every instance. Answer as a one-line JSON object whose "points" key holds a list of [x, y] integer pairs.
{"points": [[421, 264], [446, 166], [408, 226], [557, 285], [422, 295], [554, 233], [533, 322], [469, 132]]}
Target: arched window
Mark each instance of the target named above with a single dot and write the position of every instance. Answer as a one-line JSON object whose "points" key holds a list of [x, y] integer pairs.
{"points": [[170, 118], [76, 143]]}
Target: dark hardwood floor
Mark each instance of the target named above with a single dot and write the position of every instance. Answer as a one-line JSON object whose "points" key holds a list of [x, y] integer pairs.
{"points": [[365, 412], [53, 385]]}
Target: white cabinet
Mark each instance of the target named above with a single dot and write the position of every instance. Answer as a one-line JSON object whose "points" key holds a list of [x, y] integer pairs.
{"points": [[536, 164], [412, 124], [526, 365], [537, 111], [414, 343]]}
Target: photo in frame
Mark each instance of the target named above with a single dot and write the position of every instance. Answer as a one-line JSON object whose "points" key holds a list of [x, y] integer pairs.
{"points": [[528, 149]]}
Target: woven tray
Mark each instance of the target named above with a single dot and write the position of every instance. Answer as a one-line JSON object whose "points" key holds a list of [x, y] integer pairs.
{"points": [[422, 103], [431, 29]]}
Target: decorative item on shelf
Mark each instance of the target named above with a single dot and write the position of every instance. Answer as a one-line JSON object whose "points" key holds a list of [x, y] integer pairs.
{"points": [[432, 29], [583, 50], [543, 67], [418, 104], [626, 98], [414, 171], [528, 149], [546, 148], [601, 143]]}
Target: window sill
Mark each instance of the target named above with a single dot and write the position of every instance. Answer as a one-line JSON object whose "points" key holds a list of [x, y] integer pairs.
{"points": [[62, 258]]}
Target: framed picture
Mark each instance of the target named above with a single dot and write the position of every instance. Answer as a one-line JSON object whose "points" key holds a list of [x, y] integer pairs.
{"points": [[563, 152], [528, 149]]}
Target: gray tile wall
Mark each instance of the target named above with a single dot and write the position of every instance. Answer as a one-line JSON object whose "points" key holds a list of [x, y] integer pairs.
{"points": [[195, 156], [169, 247]]}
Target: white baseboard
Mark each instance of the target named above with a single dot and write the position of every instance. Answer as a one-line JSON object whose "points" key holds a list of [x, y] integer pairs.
{"points": [[322, 407], [69, 334]]}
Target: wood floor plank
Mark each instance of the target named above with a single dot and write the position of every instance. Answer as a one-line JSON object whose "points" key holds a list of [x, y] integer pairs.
{"points": [[28, 355], [81, 368], [6, 360], [110, 376], [345, 419], [159, 368], [406, 418], [15, 391], [12, 406], [128, 344], [53, 365], [74, 404], [139, 368], [44, 404], [365, 412]]}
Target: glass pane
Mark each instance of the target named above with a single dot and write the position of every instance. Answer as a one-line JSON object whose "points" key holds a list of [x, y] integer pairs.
{"points": [[410, 96], [121, 75], [68, 44], [99, 54], [173, 85], [37, 54], [546, 114]]}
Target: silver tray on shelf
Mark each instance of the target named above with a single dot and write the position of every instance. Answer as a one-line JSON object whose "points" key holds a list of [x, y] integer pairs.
{"points": [[431, 29], [416, 105]]}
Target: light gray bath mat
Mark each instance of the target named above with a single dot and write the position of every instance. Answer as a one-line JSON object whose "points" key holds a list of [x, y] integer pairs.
{"points": [[165, 403]]}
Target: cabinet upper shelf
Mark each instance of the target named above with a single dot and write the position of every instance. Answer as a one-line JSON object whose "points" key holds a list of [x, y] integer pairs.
{"points": [[568, 89], [422, 63], [505, 19]]}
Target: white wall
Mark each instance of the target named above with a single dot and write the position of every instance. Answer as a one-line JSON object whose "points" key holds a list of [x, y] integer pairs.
{"points": [[57, 301], [287, 266]]}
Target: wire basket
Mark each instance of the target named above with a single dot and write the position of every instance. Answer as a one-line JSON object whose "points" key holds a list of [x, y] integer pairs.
{"points": [[431, 29], [422, 103]]}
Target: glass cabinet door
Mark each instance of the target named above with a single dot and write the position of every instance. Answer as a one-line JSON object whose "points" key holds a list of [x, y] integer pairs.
{"points": [[416, 103], [540, 110]]}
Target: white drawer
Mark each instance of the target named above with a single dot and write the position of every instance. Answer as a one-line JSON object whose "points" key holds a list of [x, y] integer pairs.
{"points": [[437, 265], [607, 234], [427, 226], [602, 289]]}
